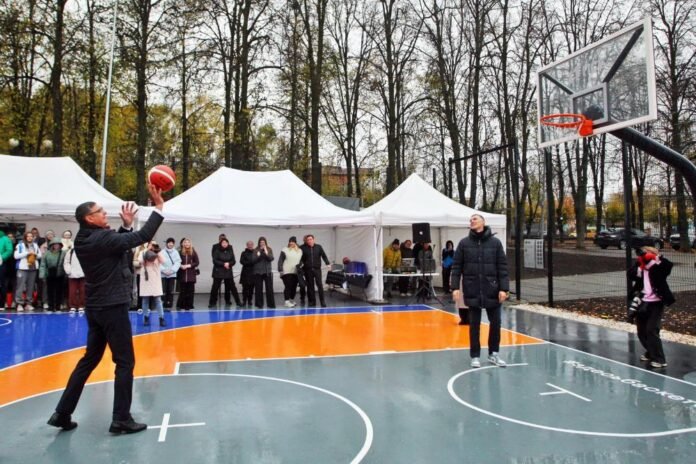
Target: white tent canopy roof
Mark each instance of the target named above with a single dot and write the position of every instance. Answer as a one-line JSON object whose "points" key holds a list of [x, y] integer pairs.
{"points": [[416, 201], [272, 198], [37, 187]]}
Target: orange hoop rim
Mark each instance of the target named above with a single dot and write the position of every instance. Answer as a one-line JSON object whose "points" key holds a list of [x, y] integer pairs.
{"points": [[549, 120]]}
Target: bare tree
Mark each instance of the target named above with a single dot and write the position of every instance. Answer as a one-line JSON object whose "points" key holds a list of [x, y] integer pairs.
{"points": [[143, 35], [313, 15], [676, 71], [347, 66], [395, 39]]}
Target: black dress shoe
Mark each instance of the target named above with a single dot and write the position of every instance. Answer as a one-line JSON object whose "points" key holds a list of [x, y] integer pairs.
{"points": [[126, 426], [62, 421]]}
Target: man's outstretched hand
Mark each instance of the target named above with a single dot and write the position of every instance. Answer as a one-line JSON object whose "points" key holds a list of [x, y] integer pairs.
{"points": [[156, 196], [128, 211]]}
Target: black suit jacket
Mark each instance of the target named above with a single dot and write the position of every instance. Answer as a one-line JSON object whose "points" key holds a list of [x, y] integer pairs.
{"points": [[104, 256]]}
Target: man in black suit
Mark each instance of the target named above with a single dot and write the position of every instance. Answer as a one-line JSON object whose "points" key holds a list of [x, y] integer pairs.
{"points": [[104, 255]]}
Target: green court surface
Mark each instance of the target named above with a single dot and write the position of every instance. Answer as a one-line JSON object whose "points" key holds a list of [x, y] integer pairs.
{"points": [[552, 404]]}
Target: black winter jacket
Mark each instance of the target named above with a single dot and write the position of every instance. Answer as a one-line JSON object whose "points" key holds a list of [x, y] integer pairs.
{"points": [[481, 266], [657, 274], [104, 256], [247, 259], [220, 257], [312, 257]]}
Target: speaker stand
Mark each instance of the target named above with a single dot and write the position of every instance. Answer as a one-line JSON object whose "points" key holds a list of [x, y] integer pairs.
{"points": [[425, 292]]}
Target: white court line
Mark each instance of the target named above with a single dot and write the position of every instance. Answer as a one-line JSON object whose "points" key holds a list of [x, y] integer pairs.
{"points": [[543, 342], [563, 391], [169, 329], [7, 322], [676, 379], [369, 430], [372, 353], [176, 367], [453, 394]]}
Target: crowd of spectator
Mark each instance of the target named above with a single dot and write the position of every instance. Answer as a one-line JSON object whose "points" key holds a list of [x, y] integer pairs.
{"points": [[44, 273]]}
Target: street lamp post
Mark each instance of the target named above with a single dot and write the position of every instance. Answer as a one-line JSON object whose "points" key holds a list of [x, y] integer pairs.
{"points": [[108, 95]]}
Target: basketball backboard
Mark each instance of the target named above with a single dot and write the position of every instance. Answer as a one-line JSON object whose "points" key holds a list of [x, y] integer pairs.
{"points": [[611, 82]]}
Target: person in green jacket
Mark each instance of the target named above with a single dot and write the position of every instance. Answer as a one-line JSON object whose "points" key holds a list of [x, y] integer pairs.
{"points": [[6, 252], [51, 270]]}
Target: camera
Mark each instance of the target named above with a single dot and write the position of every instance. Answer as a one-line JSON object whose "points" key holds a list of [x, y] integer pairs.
{"points": [[633, 308]]}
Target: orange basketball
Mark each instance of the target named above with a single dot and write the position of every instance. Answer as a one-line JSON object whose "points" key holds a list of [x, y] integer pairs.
{"points": [[163, 177]]}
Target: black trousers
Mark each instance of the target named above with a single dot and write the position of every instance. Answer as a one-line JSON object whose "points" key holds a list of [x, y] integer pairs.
{"points": [[55, 286], [494, 316], [230, 287], [248, 293], [649, 324], [290, 282], [108, 325], [446, 273], [168, 286], [187, 290], [261, 280], [313, 277]]}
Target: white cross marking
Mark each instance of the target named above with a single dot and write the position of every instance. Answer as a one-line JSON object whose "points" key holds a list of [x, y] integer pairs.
{"points": [[166, 425], [563, 391]]}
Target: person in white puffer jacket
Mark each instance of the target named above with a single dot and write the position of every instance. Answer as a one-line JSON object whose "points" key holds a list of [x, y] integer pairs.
{"points": [[76, 282]]}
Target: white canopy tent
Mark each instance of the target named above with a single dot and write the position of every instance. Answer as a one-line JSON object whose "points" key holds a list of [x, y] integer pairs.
{"points": [[416, 201], [245, 205], [44, 192]]}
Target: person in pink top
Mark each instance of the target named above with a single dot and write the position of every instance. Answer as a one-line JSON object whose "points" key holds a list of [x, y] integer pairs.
{"points": [[649, 276]]}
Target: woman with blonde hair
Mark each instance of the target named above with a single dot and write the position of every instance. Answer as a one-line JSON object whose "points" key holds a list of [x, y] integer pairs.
{"points": [[649, 275], [187, 275]]}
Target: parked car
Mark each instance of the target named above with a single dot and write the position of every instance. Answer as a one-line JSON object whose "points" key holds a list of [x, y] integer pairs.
{"points": [[617, 238], [674, 241]]}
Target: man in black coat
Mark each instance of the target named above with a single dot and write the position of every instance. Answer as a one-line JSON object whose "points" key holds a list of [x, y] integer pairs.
{"points": [[104, 256], [312, 255], [480, 266]]}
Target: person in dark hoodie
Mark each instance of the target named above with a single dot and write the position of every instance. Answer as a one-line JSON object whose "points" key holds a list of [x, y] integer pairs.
{"points": [[480, 266], [105, 259]]}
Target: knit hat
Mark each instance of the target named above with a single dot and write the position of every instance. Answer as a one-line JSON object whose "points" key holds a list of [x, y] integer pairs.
{"points": [[293, 239]]}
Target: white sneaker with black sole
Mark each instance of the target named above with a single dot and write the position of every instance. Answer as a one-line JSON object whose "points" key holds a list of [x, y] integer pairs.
{"points": [[493, 358], [475, 362]]}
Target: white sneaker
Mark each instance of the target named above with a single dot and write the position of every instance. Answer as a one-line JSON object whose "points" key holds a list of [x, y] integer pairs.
{"points": [[493, 358], [475, 362], [72, 310], [292, 303], [81, 310], [29, 308], [658, 365], [288, 304], [20, 308], [45, 306]]}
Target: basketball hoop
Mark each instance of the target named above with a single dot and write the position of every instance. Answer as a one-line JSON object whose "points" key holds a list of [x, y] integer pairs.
{"points": [[569, 121]]}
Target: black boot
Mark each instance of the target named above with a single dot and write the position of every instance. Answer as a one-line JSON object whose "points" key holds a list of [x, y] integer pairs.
{"points": [[162, 323], [146, 320]]}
